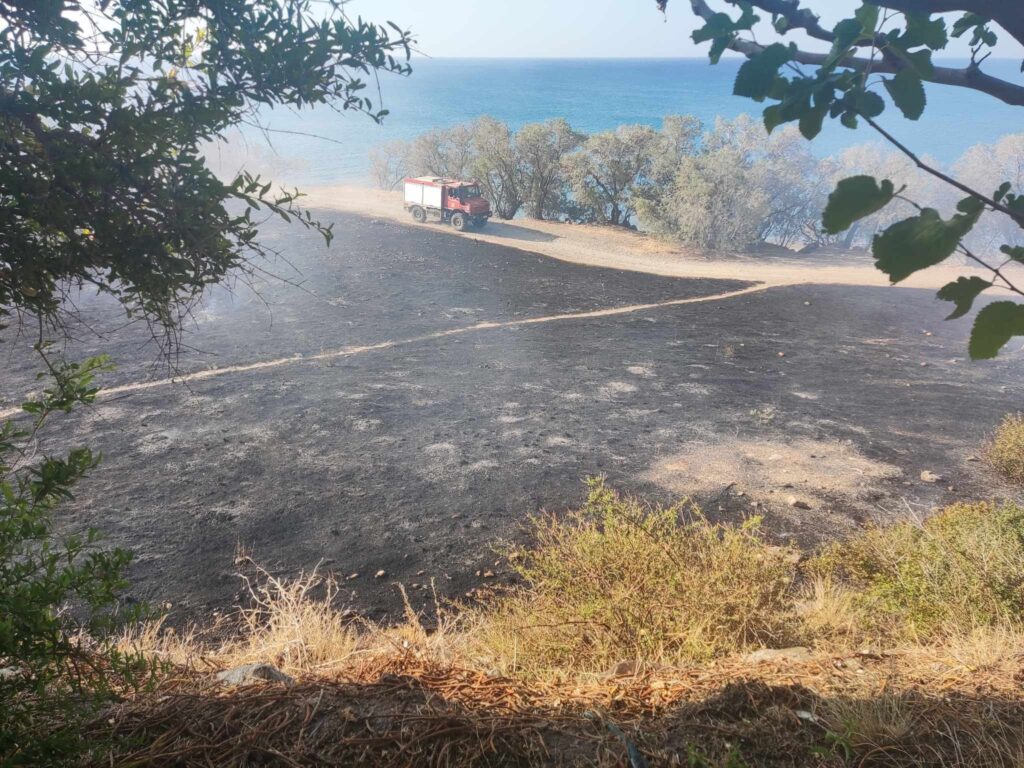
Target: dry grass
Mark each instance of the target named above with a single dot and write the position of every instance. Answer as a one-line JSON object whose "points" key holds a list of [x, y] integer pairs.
{"points": [[961, 568], [524, 679], [1005, 450], [622, 581], [828, 612]]}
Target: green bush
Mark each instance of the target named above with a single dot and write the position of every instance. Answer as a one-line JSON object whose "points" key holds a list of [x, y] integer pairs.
{"points": [[1006, 449], [961, 568], [619, 580], [56, 596]]}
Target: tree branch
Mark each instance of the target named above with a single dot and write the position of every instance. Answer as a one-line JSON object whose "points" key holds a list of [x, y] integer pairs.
{"points": [[968, 77], [1008, 14], [942, 176], [796, 17]]}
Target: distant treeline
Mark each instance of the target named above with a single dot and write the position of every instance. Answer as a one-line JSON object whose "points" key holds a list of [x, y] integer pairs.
{"points": [[725, 187]]}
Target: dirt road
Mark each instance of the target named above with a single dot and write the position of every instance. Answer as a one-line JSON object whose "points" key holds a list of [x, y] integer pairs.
{"points": [[614, 248], [418, 394]]}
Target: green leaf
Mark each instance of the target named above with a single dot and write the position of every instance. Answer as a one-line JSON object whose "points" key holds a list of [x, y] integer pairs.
{"points": [[963, 292], [907, 92], [868, 103], [773, 117], [867, 15], [853, 199], [1015, 252], [758, 73], [923, 240], [845, 34], [995, 325], [811, 121], [966, 22], [982, 34], [849, 31], [920, 61], [924, 30]]}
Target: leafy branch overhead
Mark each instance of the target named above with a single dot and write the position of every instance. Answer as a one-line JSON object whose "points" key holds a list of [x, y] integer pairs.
{"points": [[106, 111], [884, 54]]}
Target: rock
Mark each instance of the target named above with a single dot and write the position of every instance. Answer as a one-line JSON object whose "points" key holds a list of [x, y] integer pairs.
{"points": [[797, 653], [974, 458], [793, 501], [930, 477], [380, 574], [253, 673], [625, 669], [9, 673]]}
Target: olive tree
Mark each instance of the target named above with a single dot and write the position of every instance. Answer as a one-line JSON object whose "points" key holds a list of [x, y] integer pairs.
{"points": [[611, 170], [498, 167], [885, 50], [1003, 159], [445, 152], [876, 160], [733, 187], [389, 164], [542, 149]]}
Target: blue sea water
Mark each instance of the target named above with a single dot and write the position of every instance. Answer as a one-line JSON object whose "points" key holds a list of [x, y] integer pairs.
{"points": [[595, 95]]}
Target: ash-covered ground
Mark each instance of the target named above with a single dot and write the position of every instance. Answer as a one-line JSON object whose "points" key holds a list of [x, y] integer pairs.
{"points": [[416, 396]]}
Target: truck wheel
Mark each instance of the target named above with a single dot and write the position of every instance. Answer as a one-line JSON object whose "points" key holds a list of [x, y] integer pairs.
{"points": [[458, 221], [479, 222], [418, 214]]}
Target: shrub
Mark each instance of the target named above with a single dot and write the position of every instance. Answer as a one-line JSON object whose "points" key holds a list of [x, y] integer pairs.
{"points": [[389, 164], [58, 597], [1006, 449], [961, 568], [619, 580]]}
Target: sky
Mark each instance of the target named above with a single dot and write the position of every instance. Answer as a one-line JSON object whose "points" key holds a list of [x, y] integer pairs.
{"points": [[572, 28]]}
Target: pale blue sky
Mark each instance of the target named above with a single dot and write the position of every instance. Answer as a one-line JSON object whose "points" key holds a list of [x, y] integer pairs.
{"points": [[569, 28]]}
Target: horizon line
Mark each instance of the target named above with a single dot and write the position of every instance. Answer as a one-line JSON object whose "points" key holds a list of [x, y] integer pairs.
{"points": [[736, 56]]}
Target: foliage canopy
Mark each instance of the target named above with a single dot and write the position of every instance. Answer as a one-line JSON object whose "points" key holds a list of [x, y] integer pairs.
{"points": [[105, 111], [886, 48]]}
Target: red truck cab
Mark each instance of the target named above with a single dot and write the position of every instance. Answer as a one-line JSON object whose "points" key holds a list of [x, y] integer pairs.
{"points": [[456, 202]]}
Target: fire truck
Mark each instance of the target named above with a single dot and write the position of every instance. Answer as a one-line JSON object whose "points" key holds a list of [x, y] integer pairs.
{"points": [[454, 202]]}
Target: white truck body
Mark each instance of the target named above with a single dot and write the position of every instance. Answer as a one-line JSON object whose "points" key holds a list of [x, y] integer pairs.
{"points": [[425, 192]]}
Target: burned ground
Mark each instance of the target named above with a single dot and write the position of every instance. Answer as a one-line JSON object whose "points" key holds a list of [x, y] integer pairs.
{"points": [[390, 431]]}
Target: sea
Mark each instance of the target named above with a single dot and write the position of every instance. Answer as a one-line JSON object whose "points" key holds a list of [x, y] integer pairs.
{"points": [[323, 146]]}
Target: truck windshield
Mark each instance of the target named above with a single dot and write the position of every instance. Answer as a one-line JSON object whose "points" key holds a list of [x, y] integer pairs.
{"points": [[472, 192]]}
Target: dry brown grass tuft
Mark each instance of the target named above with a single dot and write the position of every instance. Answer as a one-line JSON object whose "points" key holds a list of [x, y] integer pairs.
{"points": [[294, 624], [1005, 450]]}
